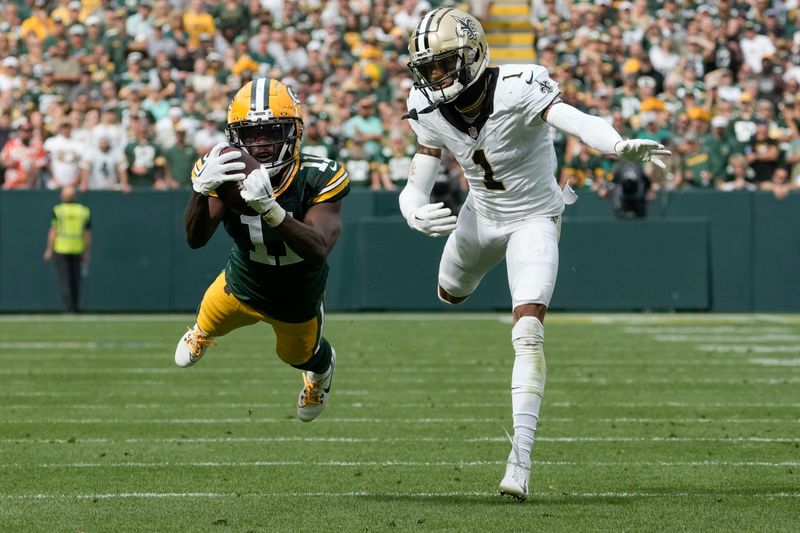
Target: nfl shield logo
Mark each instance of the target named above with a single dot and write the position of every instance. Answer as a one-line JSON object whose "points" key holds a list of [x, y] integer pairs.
{"points": [[473, 132]]}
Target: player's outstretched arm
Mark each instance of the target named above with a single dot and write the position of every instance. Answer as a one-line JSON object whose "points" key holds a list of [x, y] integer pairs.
{"points": [[600, 135], [433, 220]]}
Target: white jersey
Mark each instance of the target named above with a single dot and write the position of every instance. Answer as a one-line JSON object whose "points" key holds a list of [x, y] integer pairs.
{"points": [[65, 155], [103, 168], [507, 153]]}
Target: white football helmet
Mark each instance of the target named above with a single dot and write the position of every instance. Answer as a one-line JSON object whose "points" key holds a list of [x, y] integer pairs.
{"points": [[449, 52]]}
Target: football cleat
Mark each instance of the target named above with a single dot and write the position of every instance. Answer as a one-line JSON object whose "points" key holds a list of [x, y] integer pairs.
{"points": [[192, 346], [518, 473], [312, 398]]}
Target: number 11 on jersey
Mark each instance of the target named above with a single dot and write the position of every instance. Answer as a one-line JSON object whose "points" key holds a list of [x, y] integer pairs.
{"points": [[479, 158]]}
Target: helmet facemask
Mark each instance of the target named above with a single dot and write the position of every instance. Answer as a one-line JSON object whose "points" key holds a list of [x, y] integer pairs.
{"points": [[272, 142], [453, 72]]}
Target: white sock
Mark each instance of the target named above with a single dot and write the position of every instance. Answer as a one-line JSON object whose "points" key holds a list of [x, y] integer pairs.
{"points": [[316, 378], [527, 380]]}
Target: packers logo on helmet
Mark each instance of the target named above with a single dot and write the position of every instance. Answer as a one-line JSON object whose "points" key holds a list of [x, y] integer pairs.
{"points": [[449, 52], [266, 119]]}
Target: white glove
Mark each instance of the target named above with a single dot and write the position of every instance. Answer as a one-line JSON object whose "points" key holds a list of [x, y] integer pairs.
{"points": [[642, 151], [434, 220], [256, 190], [216, 168]]}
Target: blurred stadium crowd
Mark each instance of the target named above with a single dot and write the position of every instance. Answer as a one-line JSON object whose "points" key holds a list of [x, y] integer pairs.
{"points": [[113, 94]]}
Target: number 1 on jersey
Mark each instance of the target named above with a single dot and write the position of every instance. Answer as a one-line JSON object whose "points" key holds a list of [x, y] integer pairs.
{"points": [[273, 253], [479, 158]]}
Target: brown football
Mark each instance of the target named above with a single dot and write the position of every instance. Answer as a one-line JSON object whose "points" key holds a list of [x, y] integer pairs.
{"points": [[228, 192]]}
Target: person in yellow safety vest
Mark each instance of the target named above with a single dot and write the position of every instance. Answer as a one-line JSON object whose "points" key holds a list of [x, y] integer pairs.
{"points": [[69, 240]]}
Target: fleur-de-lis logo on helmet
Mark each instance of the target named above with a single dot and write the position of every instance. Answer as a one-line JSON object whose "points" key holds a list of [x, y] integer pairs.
{"points": [[467, 26]]}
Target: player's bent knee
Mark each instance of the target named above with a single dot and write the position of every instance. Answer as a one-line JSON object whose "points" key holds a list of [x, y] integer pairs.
{"points": [[530, 309], [448, 298], [294, 354], [320, 360]]}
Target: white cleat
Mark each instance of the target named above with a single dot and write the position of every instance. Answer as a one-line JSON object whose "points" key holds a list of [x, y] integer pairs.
{"points": [[313, 397], [192, 346], [518, 474]]}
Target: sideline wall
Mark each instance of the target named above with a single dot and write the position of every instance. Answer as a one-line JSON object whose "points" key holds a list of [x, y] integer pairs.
{"points": [[697, 250]]}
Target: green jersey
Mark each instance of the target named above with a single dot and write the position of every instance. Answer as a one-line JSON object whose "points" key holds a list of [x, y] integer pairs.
{"points": [[263, 271], [145, 155]]}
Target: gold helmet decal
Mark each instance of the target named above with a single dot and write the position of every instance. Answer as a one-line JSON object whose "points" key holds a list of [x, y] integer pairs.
{"points": [[449, 52], [265, 118]]}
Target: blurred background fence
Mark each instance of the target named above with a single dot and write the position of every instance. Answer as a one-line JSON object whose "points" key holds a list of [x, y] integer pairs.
{"points": [[696, 250]]}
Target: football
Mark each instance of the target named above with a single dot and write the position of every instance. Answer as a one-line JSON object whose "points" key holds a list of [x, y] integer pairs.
{"points": [[228, 192]]}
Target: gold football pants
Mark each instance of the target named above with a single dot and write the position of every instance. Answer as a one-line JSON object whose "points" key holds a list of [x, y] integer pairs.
{"points": [[221, 312]]}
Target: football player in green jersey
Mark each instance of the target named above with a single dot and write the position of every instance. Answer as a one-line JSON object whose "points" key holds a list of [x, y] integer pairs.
{"points": [[277, 268]]}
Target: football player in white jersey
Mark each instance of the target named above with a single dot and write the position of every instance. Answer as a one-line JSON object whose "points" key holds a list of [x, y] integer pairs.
{"points": [[495, 121]]}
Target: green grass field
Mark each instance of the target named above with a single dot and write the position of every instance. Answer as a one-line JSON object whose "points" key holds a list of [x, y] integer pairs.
{"points": [[650, 422]]}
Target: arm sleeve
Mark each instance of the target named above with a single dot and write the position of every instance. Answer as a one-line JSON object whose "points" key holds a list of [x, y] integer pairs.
{"points": [[594, 131], [421, 179]]}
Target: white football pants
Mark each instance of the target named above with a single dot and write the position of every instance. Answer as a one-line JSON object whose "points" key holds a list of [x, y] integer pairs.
{"points": [[530, 247]]}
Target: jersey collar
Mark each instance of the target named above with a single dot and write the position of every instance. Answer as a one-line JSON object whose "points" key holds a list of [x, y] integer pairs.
{"points": [[455, 118]]}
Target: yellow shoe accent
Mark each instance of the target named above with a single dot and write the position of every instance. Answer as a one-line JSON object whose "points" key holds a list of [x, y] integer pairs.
{"points": [[197, 344], [312, 394]]}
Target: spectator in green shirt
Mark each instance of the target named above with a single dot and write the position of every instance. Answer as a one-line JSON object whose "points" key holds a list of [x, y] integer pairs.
{"points": [[720, 146], [695, 165], [366, 128], [179, 158], [651, 128], [143, 158]]}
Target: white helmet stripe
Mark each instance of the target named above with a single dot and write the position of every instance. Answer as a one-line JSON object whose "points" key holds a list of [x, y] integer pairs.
{"points": [[260, 84], [252, 95], [422, 30]]}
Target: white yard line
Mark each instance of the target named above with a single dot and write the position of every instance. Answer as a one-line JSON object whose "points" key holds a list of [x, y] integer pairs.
{"points": [[398, 380], [771, 361], [733, 339], [89, 345], [334, 317], [366, 420], [364, 393], [706, 330], [625, 319], [366, 494], [183, 394], [748, 348], [262, 440], [247, 464], [400, 405]]}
